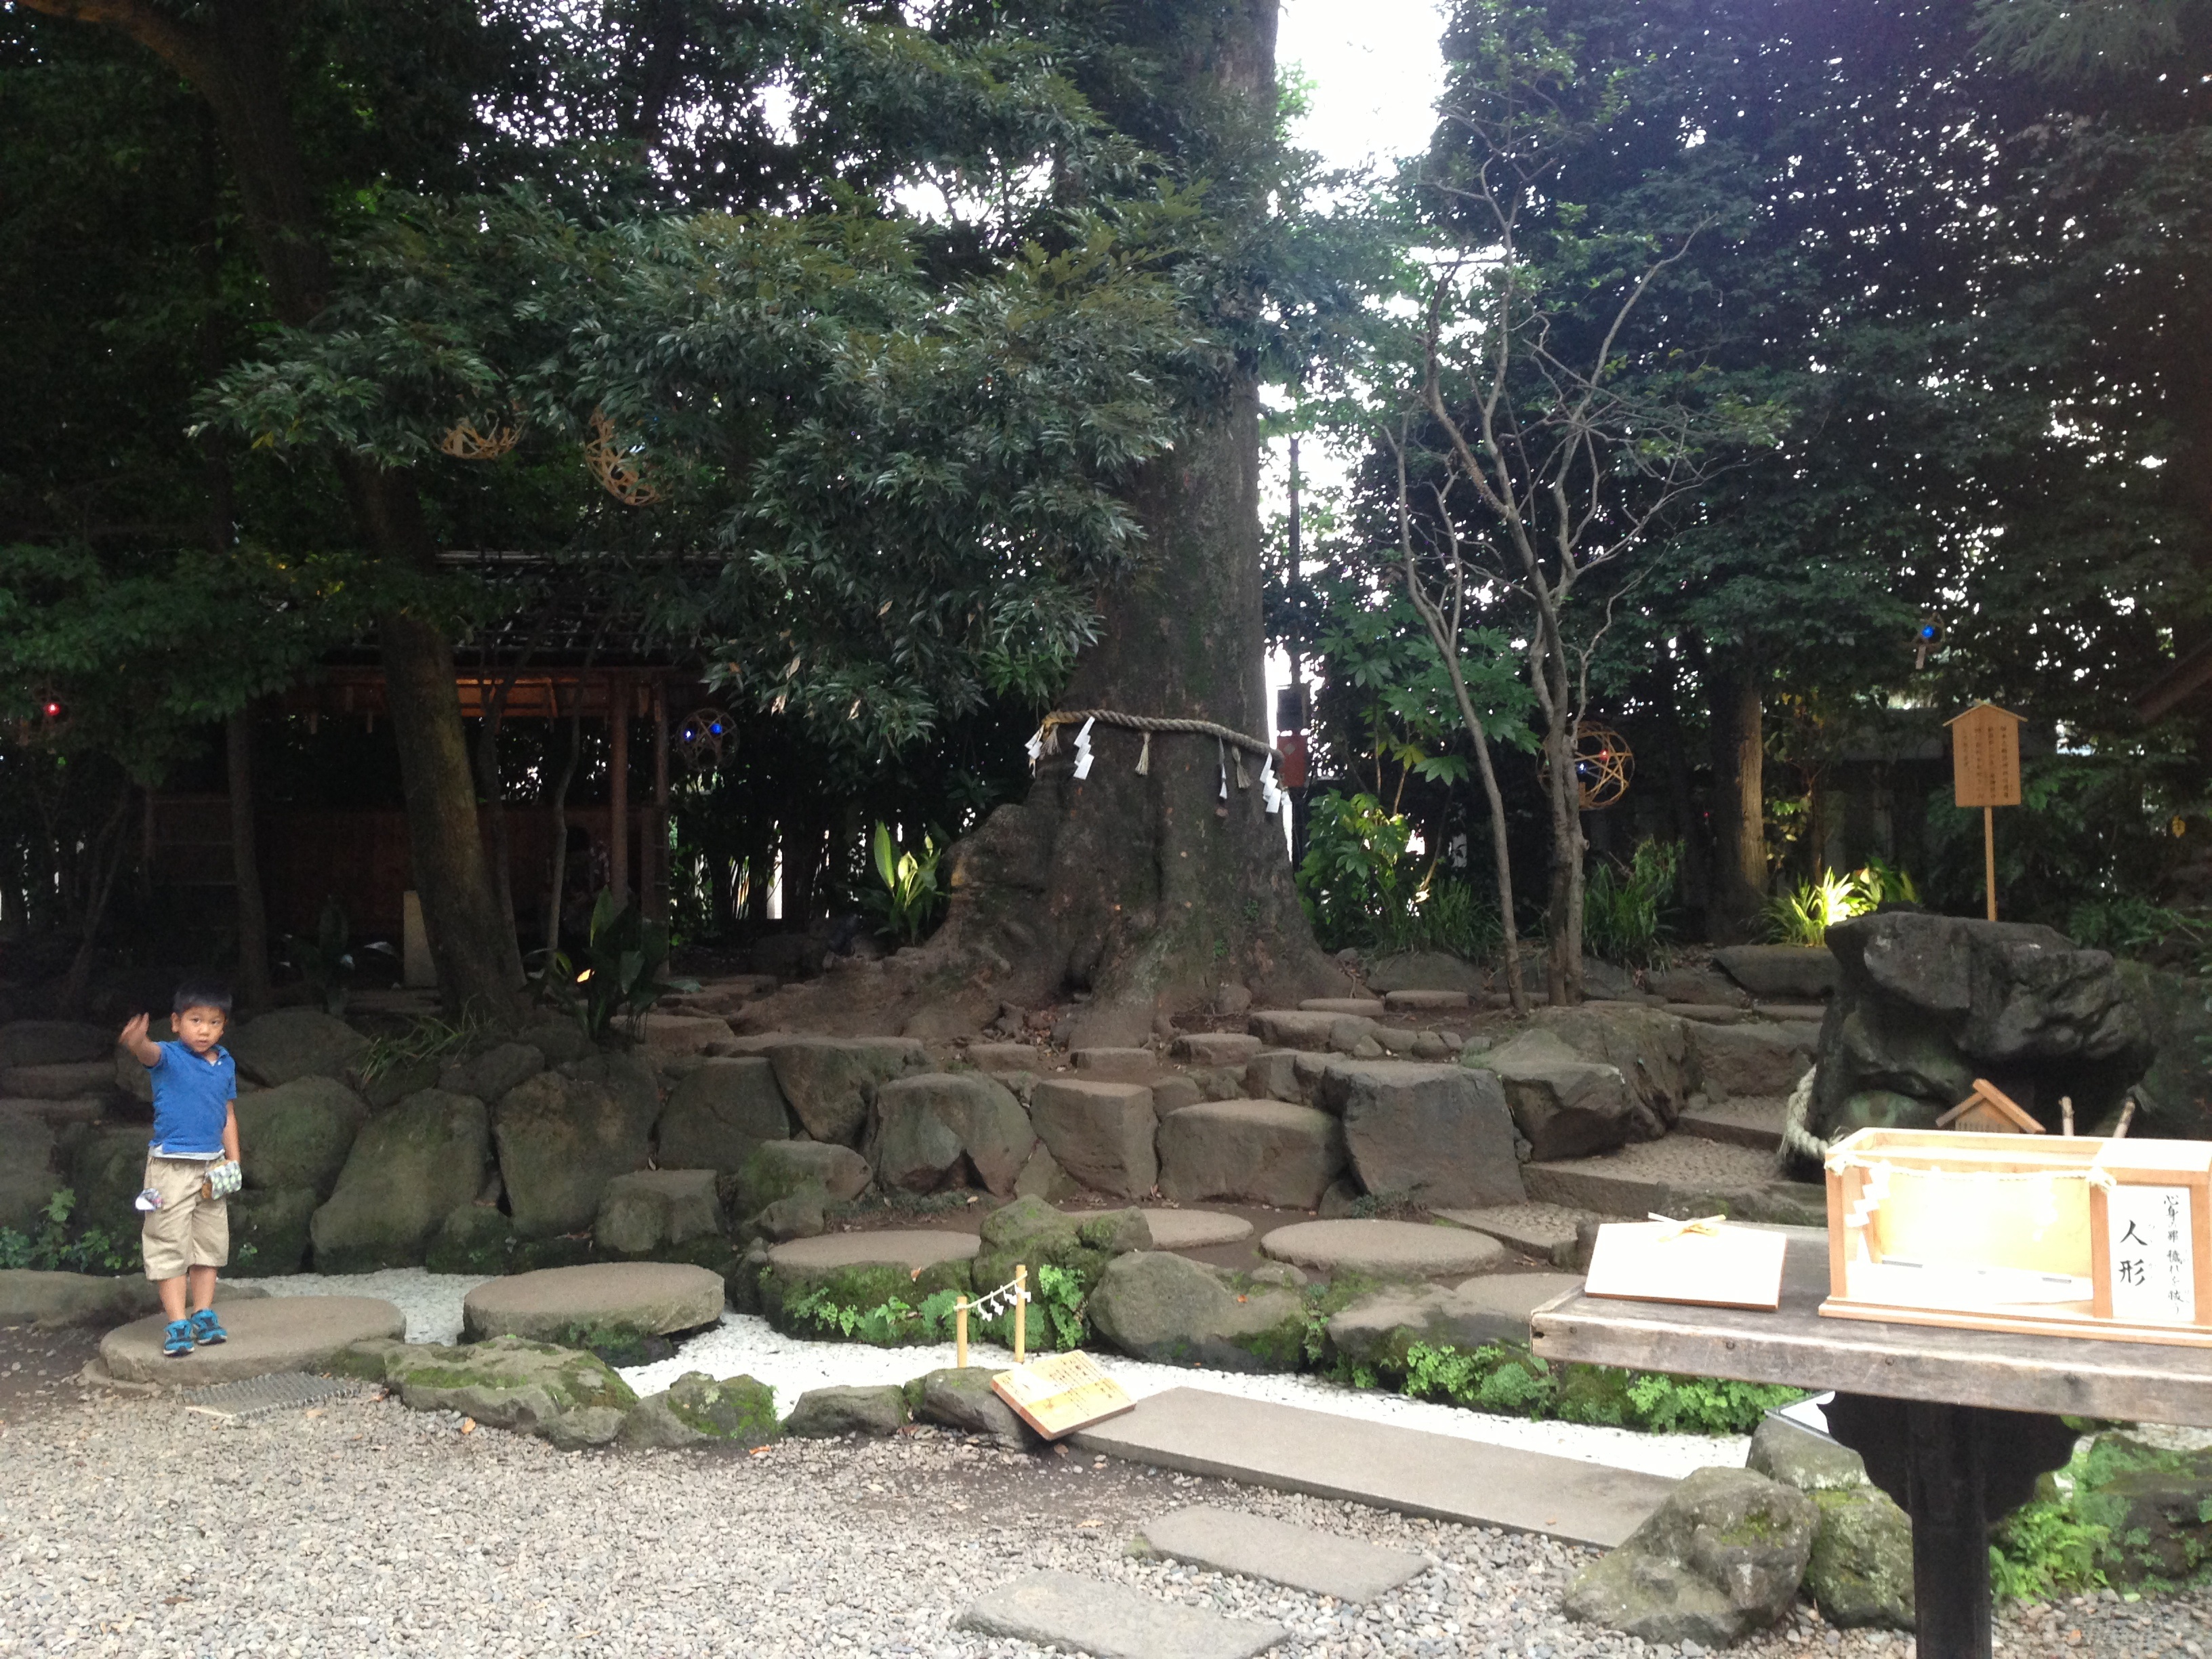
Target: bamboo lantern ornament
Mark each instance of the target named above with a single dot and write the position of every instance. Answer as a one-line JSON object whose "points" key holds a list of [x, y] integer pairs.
{"points": [[1603, 765]]}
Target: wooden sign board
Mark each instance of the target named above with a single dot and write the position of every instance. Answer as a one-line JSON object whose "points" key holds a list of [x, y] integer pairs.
{"points": [[1985, 756], [1057, 1393], [2074, 1235], [1658, 1261]]}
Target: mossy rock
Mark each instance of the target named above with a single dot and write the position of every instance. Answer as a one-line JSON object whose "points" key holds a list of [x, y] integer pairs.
{"points": [[1860, 1572], [2154, 1506], [1153, 1305], [475, 1238], [507, 1382], [737, 1408], [269, 1229]]}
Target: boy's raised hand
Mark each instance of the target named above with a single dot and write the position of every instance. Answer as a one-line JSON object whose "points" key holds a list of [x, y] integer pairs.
{"points": [[135, 1039]]}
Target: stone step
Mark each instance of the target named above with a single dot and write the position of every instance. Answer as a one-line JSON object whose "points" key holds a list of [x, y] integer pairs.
{"points": [[1746, 1121], [1293, 1448], [1422, 1002], [1383, 1250], [1112, 1621], [1254, 1546], [1192, 1229], [1790, 1012], [1370, 1006], [1681, 1176], [1545, 1231], [275, 1333], [646, 1298]]}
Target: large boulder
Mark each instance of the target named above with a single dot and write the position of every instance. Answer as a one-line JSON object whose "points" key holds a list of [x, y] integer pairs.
{"points": [[27, 1179], [2155, 1506], [491, 1073], [1102, 1133], [1926, 1004], [930, 1129], [1439, 1136], [1760, 1060], [831, 1080], [52, 1042], [293, 1043], [825, 1413], [561, 1139], [106, 1170], [270, 1229], [778, 1168], [1564, 1105], [1152, 1305], [721, 1113], [1374, 1331], [298, 1134], [2174, 1096], [651, 1210], [1722, 1557], [475, 1238], [60, 1080], [1781, 972], [1650, 1048], [409, 1168], [1251, 1151], [698, 1411], [605, 1300], [956, 1398], [508, 1383]]}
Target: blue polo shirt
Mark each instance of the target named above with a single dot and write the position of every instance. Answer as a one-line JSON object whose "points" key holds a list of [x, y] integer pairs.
{"points": [[192, 1101]]}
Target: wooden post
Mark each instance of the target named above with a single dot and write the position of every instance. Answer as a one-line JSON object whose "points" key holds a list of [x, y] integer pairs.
{"points": [[1990, 857], [656, 888], [960, 1333], [1021, 1312], [618, 787]]}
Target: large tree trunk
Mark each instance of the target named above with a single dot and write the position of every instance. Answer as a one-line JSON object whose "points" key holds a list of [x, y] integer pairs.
{"points": [[1739, 803], [234, 55], [1149, 892]]}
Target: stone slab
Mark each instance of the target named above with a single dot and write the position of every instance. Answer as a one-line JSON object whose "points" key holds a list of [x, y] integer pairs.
{"points": [[1383, 1250], [1544, 1230], [1112, 1621], [1195, 1230], [1115, 1065], [908, 1248], [1708, 1013], [1681, 1176], [1293, 1448], [1371, 1007], [651, 1297], [1007, 1057], [272, 1333], [1308, 1029], [1417, 1002], [1791, 1013], [1217, 1048], [1744, 1121], [1254, 1546]]}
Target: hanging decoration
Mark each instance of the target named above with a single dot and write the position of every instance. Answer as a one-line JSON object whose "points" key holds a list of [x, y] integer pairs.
{"points": [[620, 468], [701, 736], [1603, 766], [464, 442]]}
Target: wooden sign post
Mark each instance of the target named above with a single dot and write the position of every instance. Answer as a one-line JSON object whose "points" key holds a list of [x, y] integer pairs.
{"points": [[1986, 773]]}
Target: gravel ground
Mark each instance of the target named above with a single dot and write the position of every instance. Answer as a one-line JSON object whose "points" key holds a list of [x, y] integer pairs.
{"points": [[743, 1343], [128, 1527]]}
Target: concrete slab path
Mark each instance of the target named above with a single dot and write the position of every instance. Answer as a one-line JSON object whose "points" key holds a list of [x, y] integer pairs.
{"points": [[1196, 1432], [1112, 1621], [1254, 1546]]}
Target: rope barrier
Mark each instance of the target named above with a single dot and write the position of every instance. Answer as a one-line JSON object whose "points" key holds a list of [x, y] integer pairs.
{"points": [[1046, 742]]}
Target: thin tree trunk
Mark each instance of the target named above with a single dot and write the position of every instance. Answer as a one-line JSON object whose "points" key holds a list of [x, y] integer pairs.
{"points": [[561, 823], [1740, 802], [245, 862], [106, 861]]}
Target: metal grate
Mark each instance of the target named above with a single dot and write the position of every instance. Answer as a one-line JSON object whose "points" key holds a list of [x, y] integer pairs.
{"points": [[231, 1403]]}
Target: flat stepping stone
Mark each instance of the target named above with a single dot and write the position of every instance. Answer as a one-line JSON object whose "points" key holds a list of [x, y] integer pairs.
{"points": [[1681, 1176], [1195, 1230], [1383, 1250], [1544, 1230], [648, 1297], [271, 1333], [1707, 1013], [908, 1248], [1112, 1621], [1293, 1449], [1115, 1065], [1217, 1048], [1746, 1121], [1253, 1546], [1370, 1006], [1791, 1011], [1413, 1002]]}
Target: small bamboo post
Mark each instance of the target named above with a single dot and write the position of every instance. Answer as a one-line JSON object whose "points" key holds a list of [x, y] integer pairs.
{"points": [[1990, 857], [960, 1333], [1021, 1312], [2066, 1114]]}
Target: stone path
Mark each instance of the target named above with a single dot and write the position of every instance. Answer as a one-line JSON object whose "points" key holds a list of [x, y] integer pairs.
{"points": [[648, 1298], [1383, 1250], [1195, 1230], [1545, 1231], [1679, 1175], [1197, 1431], [906, 1248], [1113, 1621], [273, 1334], [1748, 1121], [1254, 1546]]}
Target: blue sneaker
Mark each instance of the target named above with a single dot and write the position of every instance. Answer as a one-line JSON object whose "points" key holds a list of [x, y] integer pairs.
{"points": [[177, 1341], [207, 1329]]}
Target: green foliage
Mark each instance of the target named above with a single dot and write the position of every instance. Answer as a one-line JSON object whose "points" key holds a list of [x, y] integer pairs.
{"points": [[909, 896], [1512, 1381], [1622, 905], [2128, 924], [1060, 1298], [620, 977], [52, 1247], [1360, 887], [428, 1037], [888, 1324], [1802, 914]]}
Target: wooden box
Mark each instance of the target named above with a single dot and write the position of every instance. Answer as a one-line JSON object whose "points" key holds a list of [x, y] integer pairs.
{"points": [[2069, 1234]]}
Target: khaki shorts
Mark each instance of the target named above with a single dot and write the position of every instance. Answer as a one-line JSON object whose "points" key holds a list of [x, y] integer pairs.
{"points": [[188, 1231]]}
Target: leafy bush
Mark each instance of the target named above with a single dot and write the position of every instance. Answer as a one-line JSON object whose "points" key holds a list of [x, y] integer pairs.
{"points": [[1361, 887], [1622, 905], [1512, 1381], [885, 1324], [1803, 914], [50, 1247], [2127, 924], [910, 896], [620, 975]]}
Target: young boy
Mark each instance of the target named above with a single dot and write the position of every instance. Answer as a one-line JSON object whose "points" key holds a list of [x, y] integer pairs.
{"points": [[187, 1232]]}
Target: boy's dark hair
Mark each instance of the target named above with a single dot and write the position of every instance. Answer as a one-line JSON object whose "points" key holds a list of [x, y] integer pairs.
{"points": [[200, 994]]}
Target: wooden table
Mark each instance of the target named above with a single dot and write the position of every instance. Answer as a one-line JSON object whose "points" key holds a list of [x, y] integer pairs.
{"points": [[1954, 1425]]}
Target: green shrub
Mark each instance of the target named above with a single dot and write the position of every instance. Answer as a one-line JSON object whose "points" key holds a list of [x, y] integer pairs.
{"points": [[51, 1246], [909, 896], [1511, 1381], [1622, 905]]}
